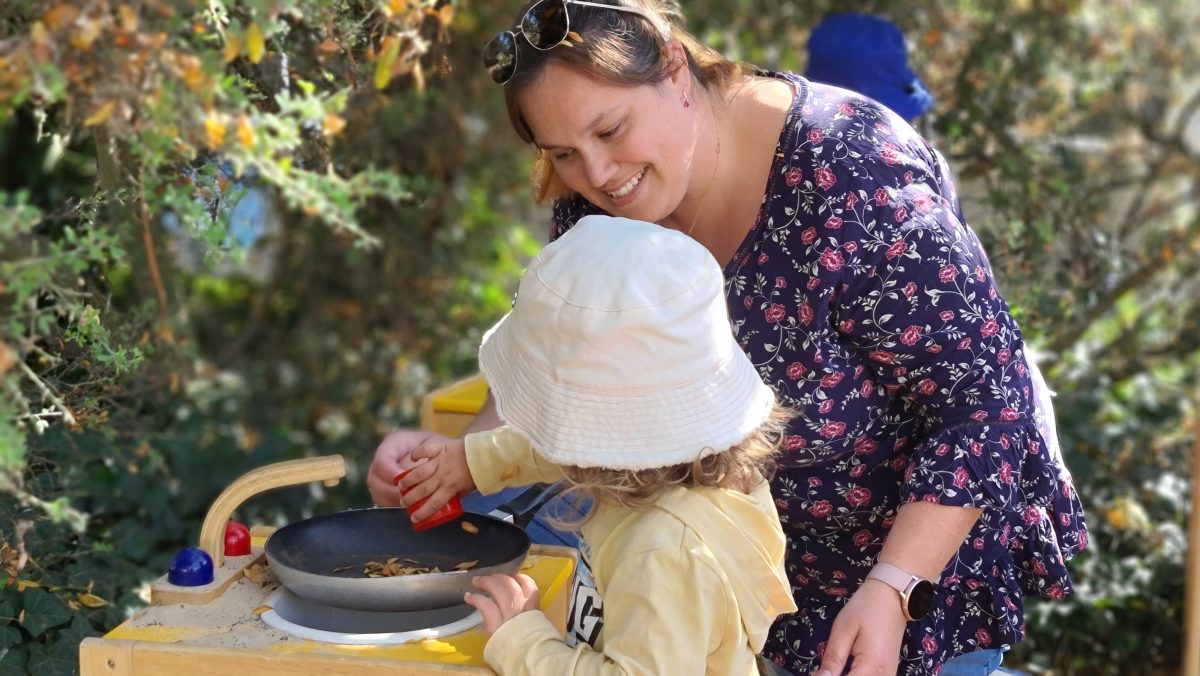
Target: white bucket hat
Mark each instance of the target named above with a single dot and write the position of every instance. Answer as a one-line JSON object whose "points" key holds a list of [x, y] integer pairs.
{"points": [[618, 352]]}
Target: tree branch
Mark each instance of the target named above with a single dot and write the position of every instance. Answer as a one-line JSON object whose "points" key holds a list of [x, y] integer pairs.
{"points": [[164, 319], [47, 393], [1153, 266]]}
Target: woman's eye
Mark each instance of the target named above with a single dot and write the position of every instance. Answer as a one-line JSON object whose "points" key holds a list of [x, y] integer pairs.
{"points": [[561, 155], [611, 132]]}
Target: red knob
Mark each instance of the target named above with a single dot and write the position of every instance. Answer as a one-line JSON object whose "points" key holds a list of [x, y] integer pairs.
{"points": [[237, 539]]}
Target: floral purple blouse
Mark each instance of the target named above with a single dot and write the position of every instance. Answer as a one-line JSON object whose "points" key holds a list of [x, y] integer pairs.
{"points": [[869, 305]]}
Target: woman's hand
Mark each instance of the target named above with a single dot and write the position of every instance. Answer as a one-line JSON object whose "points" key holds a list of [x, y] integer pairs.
{"points": [[391, 458], [870, 628], [506, 597], [440, 472]]}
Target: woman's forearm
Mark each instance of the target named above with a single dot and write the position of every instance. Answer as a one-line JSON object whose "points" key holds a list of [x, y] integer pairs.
{"points": [[486, 419], [925, 537]]}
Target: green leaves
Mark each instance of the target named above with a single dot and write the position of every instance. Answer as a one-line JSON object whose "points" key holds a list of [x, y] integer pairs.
{"points": [[43, 611], [40, 304], [88, 331], [56, 635], [12, 438], [15, 663], [137, 150], [62, 655]]}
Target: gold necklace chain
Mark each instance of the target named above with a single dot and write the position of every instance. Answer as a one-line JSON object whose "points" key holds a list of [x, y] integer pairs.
{"points": [[716, 164], [717, 158]]}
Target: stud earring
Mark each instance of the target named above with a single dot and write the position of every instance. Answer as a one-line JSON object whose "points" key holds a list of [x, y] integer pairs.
{"points": [[686, 102]]}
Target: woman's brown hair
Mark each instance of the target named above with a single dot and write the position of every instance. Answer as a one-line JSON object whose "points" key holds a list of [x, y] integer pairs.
{"points": [[620, 48]]}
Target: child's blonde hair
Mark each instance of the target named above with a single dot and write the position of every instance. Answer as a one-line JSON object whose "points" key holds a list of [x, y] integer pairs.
{"points": [[739, 468]]}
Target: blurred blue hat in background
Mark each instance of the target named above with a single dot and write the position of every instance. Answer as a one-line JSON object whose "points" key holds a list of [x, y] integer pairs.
{"points": [[867, 54]]}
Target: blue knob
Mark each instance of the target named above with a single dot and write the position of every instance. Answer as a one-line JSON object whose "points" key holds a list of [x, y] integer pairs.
{"points": [[191, 567]]}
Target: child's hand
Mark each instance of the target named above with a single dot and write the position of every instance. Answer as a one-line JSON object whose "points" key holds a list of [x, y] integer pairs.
{"points": [[510, 595], [442, 474], [391, 458]]}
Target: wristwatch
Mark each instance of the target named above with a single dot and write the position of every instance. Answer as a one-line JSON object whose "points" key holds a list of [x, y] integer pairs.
{"points": [[916, 593]]}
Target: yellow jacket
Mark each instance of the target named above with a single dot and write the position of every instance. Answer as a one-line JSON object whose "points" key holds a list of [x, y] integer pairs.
{"points": [[690, 585]]}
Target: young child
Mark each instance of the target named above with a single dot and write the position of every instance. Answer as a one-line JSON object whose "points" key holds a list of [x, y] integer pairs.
{"points": [[617, 370]]}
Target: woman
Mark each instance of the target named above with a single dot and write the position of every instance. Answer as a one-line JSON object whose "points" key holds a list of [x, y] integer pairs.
{"points": [[915, 488]]}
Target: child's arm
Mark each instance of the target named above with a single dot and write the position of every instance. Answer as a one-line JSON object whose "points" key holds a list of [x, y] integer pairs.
{"points": [[489, 461], [502, 458], [664, 613]]}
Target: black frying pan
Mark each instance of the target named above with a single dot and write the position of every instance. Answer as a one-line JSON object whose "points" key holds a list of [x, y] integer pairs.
{"points": [[305, 554]]}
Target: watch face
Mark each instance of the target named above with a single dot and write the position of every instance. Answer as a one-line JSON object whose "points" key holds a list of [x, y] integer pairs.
{"points": [[920, 599]]}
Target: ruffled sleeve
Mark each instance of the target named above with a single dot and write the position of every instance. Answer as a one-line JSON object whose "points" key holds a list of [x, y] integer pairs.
{"points": [[920, 305], [1033, 508]]}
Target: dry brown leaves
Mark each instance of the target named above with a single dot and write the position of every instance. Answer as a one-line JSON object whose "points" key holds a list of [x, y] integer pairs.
{"points": [[397, 566], [256, 573]]}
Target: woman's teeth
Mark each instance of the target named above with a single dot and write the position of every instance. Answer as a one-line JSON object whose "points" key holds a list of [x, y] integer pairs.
{"points": [[628, 187]]}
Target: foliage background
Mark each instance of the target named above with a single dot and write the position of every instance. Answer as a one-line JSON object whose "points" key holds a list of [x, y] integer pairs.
{"points": [[233, 233]]}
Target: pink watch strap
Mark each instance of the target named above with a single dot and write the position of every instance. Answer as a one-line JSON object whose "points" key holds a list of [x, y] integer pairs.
{"points": [[892, 576]]}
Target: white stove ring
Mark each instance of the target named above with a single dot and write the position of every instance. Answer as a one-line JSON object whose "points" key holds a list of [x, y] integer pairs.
{"points": [[290, 614]]}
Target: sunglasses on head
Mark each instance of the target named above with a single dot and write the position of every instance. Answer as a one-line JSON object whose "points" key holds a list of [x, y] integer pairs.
{"points": [[544, 26]]}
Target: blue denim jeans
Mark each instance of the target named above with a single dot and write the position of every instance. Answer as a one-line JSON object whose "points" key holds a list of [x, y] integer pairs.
{"points": [[976, 663]]}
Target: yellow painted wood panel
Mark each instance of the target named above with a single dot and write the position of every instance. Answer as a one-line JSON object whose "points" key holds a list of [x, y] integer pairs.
{"points": [[101, 657], [448, 410]]}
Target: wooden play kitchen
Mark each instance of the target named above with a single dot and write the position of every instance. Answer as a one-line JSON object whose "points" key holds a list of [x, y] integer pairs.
{"points": [[221, 610]]}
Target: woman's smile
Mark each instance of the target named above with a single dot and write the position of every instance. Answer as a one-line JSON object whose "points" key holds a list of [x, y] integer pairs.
{"points": [[625, 194]]}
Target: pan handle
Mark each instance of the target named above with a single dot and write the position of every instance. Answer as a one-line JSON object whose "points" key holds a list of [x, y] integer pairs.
{"points": [[521, 509]]}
